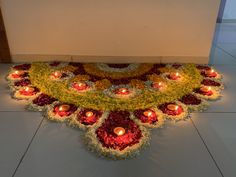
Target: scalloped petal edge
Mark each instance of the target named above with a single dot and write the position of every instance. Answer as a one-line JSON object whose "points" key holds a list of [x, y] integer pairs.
{"points": [[90, 138]]}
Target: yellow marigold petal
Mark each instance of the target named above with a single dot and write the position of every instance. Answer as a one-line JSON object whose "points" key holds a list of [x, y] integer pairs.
{"points": [[80, 78], [92, 69], [137, 83], [68, 68], [155, 78], [103, 84], [165, 70]]}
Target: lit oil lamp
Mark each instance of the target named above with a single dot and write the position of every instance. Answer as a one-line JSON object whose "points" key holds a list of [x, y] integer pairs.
{"points": [[211, 73], [157, 85], [148, 113], [80, 86], [17, 74], [119, 131], [174, 76], [173, 107], [122, 91], [57, 74], [206, 90], [64, 108], [27, 91], [89, 114]]}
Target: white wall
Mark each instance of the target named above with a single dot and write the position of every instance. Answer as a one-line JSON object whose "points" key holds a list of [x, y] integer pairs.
{"points": [[110, 27], [230, 10]]}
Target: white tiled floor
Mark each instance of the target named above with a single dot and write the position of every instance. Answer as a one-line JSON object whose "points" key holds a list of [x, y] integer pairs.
{"points": [[203, 146], [3, 83], [220, 57], [177, 147], [16, 132], [8, 104], [219, 133], [225, 33]]}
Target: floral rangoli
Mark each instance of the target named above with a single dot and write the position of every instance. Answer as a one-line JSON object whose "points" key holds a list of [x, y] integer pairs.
{"points": [[115, 104]]}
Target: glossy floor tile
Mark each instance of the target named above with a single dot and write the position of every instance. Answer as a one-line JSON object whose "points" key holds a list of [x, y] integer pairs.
{"points": [[219, 57], [175, 150], [228, 48], [3, 72], [219, 134], [9, 104], [4, 68], [225, 33], [16, 132]]}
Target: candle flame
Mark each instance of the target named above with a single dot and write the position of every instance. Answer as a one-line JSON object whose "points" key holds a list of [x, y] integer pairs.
{"points": [[147, 113], [27, 89], [64, 107], [89, 114], [123, 90], [174, 76], [176, 107], [17, 72], [205, 89], [120, 132], [56, 74], [210, 71], [173, 107]]}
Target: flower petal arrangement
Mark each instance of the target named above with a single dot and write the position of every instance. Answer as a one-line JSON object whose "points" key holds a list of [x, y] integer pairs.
{"points": [[116, 105]]}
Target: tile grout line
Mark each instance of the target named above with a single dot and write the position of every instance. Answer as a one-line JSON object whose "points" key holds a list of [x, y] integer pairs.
{"points": [[225, 51], [23, 156], [208, 150]]}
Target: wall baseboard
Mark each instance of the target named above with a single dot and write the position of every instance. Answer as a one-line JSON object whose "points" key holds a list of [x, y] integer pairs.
{"points": [[185, 59], [37, 57], [110, 59], [228, 20], [118, 59]]}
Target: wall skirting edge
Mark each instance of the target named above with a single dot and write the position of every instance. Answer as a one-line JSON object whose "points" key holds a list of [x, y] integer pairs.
{"points": [[110, 59]]}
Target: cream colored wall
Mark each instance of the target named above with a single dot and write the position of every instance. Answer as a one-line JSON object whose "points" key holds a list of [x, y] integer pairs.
{"points": [[156, 28]]}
